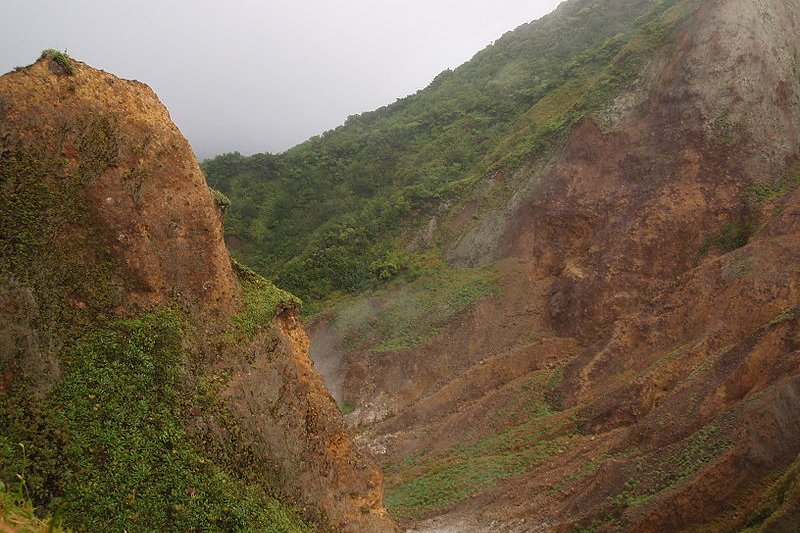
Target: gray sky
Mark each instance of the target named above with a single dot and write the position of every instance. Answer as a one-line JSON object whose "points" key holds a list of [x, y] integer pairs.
{"points": [[258, 76]]}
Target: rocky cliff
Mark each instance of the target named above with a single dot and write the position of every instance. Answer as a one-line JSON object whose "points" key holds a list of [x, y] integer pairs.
{"points": [[146, 382]]}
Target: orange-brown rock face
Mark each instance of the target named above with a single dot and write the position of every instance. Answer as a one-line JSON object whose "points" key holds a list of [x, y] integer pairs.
{"points": [[144, 194], [290, 417]]}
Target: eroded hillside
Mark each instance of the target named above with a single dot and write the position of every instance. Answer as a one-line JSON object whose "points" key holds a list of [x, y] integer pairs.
{"points": [[593, 324], [147, 383], [636, 367]]}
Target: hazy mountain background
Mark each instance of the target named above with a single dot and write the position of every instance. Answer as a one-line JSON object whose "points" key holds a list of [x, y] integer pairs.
{"points": [[263, 76]]}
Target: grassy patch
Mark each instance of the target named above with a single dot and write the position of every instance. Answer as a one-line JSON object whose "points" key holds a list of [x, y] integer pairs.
{"points": [[646, 480], [736, 267], [17, 515], [262, 301], [423, 484], [779, 503], [347, 407], [408, 316], [787, 314], [107, 450], [586, 469], [764, 192], [438, 483], [731, 236], [725, 131]]}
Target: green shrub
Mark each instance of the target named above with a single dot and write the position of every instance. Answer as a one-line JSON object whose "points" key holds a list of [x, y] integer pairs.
{"points": [[730, 237], [61, 59], [223, 202], [347, 407]]}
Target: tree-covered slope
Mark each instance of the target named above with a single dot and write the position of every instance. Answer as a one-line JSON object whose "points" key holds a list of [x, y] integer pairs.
{"points": [[333, 213]]}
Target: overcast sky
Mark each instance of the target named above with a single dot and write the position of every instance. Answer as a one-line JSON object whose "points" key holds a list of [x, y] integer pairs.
{"points": [[254, 76]]}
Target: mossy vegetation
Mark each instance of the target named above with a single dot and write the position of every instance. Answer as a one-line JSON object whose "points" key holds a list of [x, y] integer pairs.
{"points": [[319, 218], [106, 449], [764, 192], [736, 233], [347, 407], [45, 197], [653, 476], [778, 507], [725, 131], [262, 300], [731, 236], [222, 201], [441, 483]]}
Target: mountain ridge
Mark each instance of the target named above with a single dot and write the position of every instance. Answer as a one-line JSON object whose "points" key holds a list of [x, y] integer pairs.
{"points": [[353, 185]]}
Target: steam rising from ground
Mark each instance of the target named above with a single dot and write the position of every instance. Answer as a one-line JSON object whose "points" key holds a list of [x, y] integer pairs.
{"points": [[326, 354]]}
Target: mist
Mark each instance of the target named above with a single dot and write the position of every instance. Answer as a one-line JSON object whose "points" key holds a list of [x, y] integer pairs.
{"points": [[254, 76]]}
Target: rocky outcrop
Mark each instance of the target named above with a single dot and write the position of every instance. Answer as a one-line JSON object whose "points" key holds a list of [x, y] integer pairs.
{"points": [[291, 419], [106, 215], [108, 147]]}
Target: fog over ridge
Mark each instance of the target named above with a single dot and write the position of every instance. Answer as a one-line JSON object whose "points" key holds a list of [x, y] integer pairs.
{"points": [[255, 76]]}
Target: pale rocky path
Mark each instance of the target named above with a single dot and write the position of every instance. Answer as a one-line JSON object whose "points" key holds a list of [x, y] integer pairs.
{"points": [[468, 524]]}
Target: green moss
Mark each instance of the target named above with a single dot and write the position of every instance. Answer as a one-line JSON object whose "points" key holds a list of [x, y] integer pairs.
{"points": [[120, 459], [98, 144], [45, 226]]}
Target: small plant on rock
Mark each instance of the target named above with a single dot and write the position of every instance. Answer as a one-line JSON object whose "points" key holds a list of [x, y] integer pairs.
{"points": [[61, 59]]}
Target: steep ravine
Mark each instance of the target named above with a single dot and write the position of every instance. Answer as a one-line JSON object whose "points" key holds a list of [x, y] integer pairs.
{"points": [[146, 382]]}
